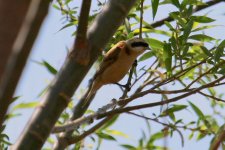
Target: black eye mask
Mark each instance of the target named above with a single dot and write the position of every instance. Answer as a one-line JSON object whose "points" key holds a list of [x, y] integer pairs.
{"points": [[139, 44]]}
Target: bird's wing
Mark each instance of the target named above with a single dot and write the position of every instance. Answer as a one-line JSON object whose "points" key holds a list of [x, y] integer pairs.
{"points": [[109, 58]]}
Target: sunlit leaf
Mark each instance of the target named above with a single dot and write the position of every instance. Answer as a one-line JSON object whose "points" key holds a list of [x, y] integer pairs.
{"points": [[197, 110], [206, 51], [187, 30], [176, 108], [167, 57], [176, 3], [109, 123], [169, 26], [201, 37], [203, 27], [129, 147], [118, 133], [202, 19], [105, 136], [154, 43], [155, 137], [219, 51], [25, 105], [181, 21], [146, 56]]}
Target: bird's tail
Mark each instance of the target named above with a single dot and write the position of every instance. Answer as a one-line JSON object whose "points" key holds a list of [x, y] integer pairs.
{"points": [[89, 95]]}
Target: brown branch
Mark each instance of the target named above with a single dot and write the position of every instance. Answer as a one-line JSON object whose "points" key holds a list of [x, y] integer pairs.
{"points": [[81, 53], [218, 139], [21, 48], [212, 97]]}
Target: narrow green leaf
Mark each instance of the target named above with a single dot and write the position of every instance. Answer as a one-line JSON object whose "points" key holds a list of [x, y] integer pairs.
{"points": [[222, 44], [221, 70], [167, 57], [155, 4], [56, 7], [109, 123], [176, 108], [173, 109], [130, 147], [25, 105], [197, 110], [127, 25], [202, 19], [176, 3], [202, 37], [116, 132], [155, 137], [203, 28], [154, 43], [219, 51], [191, 136], [175, 15], [169, 25], [201, 136], [146, 56], [50, 68], [173, 44], [105, 136], [206, 51], [68, 25], [187, 30]]}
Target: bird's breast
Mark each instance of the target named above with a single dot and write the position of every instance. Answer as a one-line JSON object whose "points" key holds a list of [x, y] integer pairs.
{"points": [[117, 70]]}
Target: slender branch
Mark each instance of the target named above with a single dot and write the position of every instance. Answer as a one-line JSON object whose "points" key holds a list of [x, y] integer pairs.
{"points": [[82, 120], [80, 51], [212, 97]]}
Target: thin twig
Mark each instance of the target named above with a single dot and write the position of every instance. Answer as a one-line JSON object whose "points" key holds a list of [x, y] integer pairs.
{"points": [[141, 18]]}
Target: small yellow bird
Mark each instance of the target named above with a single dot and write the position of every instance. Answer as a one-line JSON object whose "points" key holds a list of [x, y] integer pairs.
{"points": [[116, 63]]}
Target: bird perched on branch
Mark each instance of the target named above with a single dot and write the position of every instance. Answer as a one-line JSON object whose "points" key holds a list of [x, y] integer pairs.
{"points": [[116, 63]]}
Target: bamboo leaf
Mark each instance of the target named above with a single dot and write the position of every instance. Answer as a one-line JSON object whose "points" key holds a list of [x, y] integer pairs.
{"points": [[25, 105], [146, 56], [155, 4], [202, 19], [202, 37], [50, 68], [197, 110], [105, 136], [167, 57]]}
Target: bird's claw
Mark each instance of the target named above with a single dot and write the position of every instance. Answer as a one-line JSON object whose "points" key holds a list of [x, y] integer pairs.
{"points": [[126, 86], [135, 63]]}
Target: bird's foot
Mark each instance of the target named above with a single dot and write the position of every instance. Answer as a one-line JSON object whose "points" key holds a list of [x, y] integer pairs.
{"points": [[135, 63], [126, 86]]}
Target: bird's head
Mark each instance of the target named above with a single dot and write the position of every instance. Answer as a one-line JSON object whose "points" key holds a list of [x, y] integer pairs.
{"points": [[137, 45]]}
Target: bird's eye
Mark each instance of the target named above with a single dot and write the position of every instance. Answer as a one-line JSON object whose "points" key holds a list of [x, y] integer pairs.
{"points": [[139, 44]]}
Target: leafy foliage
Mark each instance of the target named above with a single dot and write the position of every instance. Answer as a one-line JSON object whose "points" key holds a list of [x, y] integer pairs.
{"points": [[183, 58]]}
